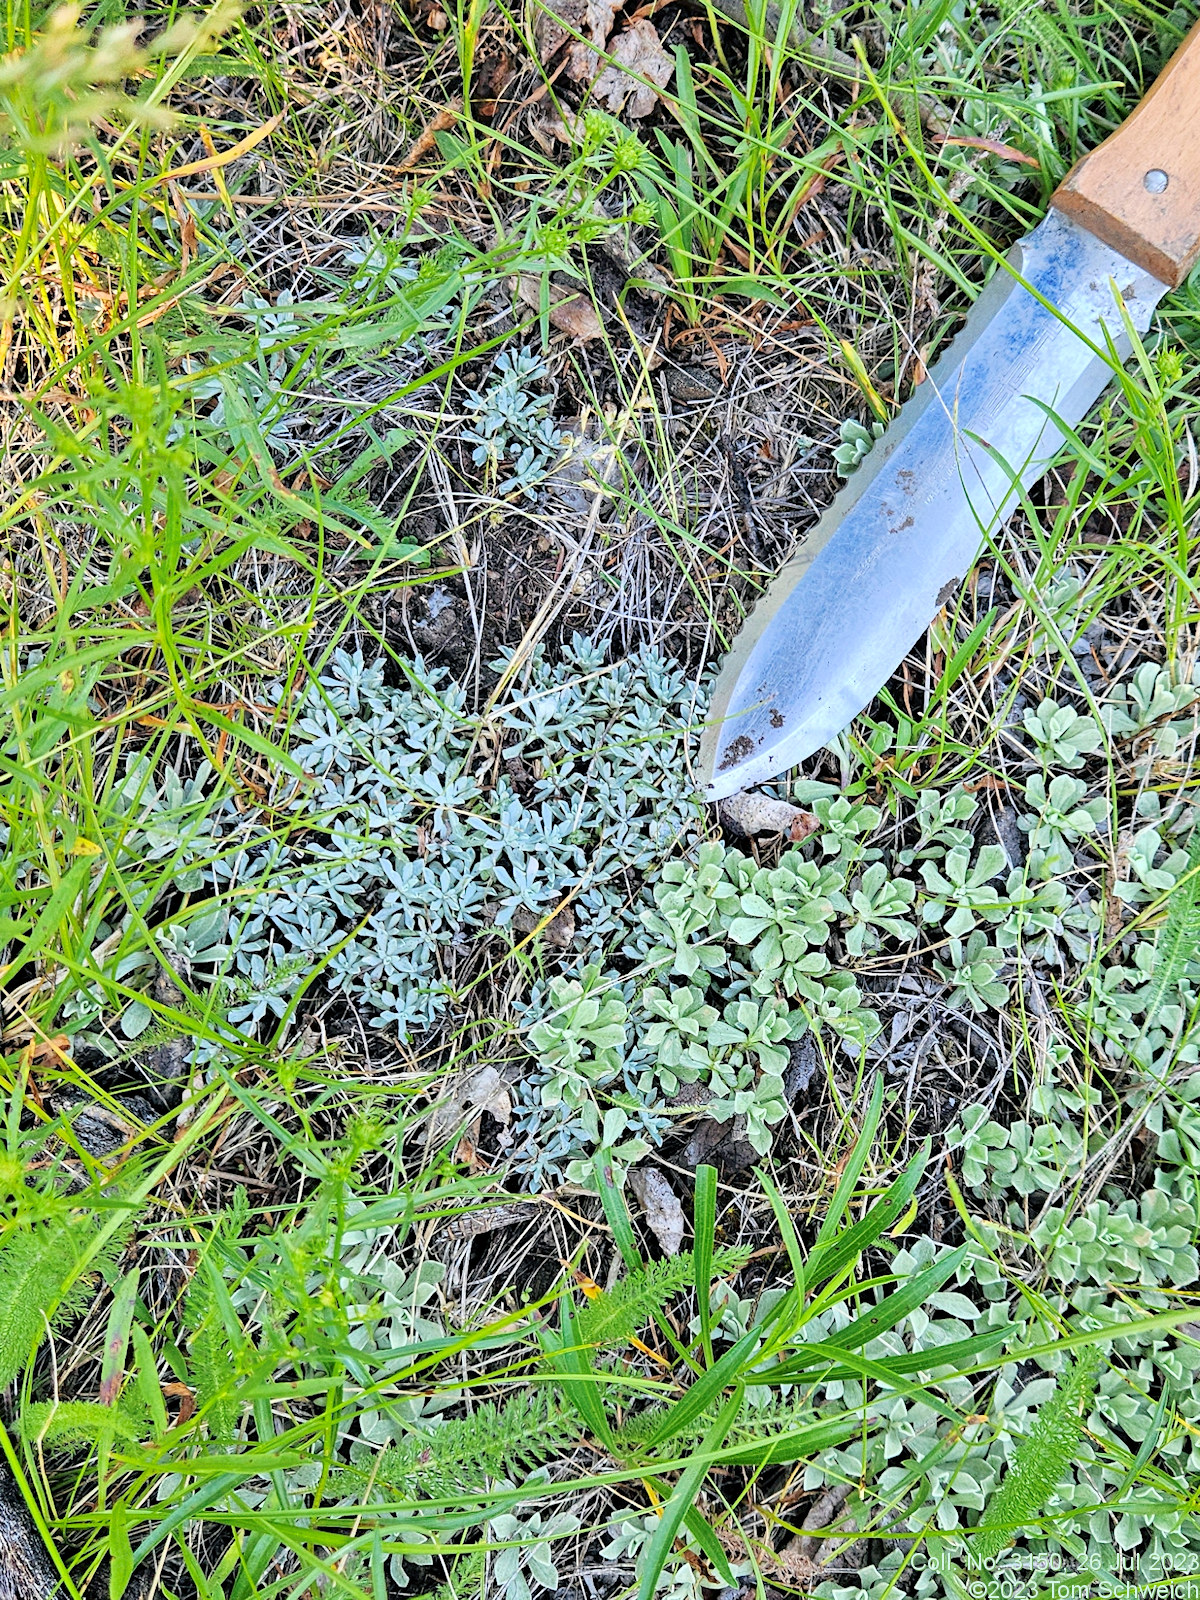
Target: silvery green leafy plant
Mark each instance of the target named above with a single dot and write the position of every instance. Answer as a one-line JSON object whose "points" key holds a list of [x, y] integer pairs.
{"points": [[965, 1467], [1145, 701], [879, 905], [963, 887], [856, 444], [766, 926], [412, 858], [618, 1138], [782, 913], [579, 1039], [401, 854], [677, 1037], [876, 1581], [1063, 736], [392, 861], [750, 1056], [384, 269], [689, 898], [846, 828], [758, 1096], [973, 973], [511, 430], [544, 1143], [1038, 917], [1175, 1120], [255, 382], [940, 825], [1062, 817], [1027, 1160], [1155, 867], [1126, 1242], [627, 1542], [526, 1555], [839, 1011], [167, 818]]}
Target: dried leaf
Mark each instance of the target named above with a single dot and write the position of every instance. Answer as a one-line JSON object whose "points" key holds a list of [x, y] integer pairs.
{"points": [[214, 162], [473, 1094], [487, 1219], [549, 29], [559, 932], [593, 19], [493, 74], [426, 140], [635, 54], [186, 1398], [817, 181], [570, 312], [722, 1144], [549, 123], [577, 316], [583, 63], [489, 1093], [55, 1050], [660, 1207], [747, 813], [1006, 152], [466, 1155]]}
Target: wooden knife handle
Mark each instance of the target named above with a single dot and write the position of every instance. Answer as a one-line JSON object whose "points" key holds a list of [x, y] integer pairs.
{"points": [[1139, 191]]}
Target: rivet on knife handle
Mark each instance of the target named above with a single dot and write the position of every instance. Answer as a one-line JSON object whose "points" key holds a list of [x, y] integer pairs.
{"points": [[1139, 191]]}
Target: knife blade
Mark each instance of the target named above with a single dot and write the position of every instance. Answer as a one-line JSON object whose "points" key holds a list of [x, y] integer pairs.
{"points": [[1031, 360]]}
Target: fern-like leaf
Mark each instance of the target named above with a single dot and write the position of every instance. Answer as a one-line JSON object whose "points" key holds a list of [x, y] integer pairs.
{"points": [[37, 1264], [493, 1442], [467, 1578], [615, 1315], [757, 1425], [1041, 1459], [1178, 939], [63, 1424], [212, 1357], [217, 1344]]}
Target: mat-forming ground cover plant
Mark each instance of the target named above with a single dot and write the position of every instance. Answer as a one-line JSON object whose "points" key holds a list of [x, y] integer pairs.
{"points": [[360, 971], [314, 1311], [389, 869], [723, 966]]}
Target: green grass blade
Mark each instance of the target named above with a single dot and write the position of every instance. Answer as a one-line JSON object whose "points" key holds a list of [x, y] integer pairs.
{"points": [[704, 1231], [845, 1248], [617, 1211], [855, 1162], [705, 1390], [682, 1500]]}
